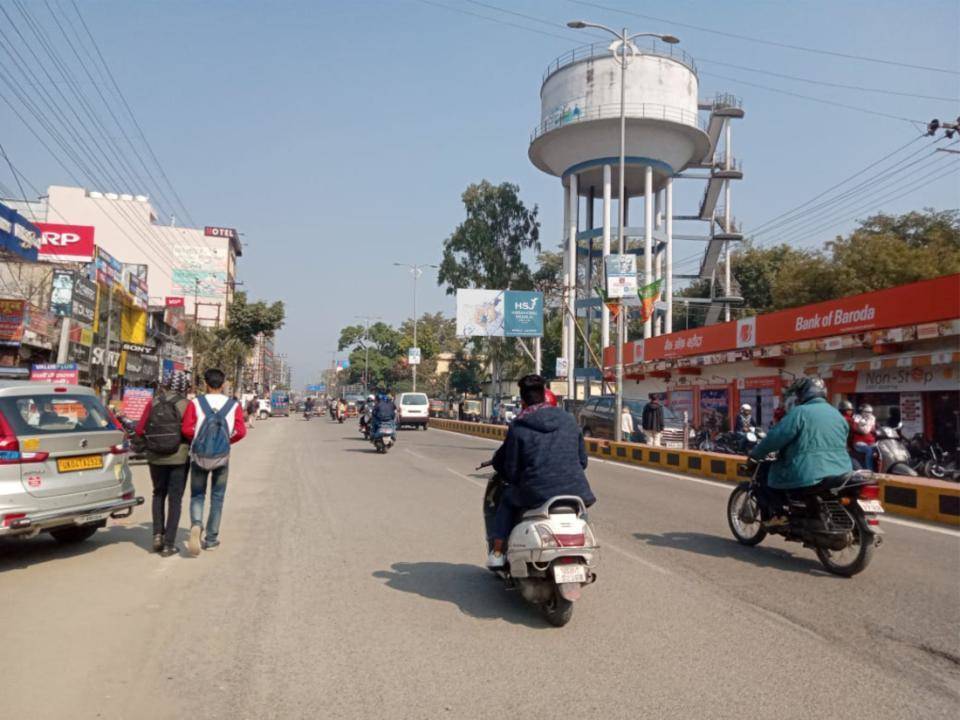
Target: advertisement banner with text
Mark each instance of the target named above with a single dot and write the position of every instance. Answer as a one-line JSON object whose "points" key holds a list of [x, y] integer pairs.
{"points": [[66, 243]]}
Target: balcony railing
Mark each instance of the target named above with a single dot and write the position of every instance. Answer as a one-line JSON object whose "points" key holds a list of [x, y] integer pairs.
{"points": [[646, 46]]}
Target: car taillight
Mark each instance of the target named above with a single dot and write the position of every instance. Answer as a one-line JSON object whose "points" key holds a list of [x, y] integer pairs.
{"points": [[120, 448], [128, 495], [10, 518], [869, 492], [547, 538], [10, 447]]}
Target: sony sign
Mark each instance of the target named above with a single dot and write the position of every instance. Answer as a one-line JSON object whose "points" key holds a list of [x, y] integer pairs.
{"points": [[66, 243]]}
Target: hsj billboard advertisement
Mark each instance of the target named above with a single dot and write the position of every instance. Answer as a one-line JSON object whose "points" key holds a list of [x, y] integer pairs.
{"points": [[499, 313]]}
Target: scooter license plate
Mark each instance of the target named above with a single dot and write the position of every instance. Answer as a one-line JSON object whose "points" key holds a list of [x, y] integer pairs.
{"points": [[870, 506], [569, 574]]}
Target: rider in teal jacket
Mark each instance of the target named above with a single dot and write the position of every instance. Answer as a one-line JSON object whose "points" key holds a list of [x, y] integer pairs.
{"points": [[811, 441]]}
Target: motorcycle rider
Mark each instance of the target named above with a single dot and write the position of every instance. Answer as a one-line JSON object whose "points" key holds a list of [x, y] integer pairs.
{"points": [[863, 434], [308, 406], [542, 456], [744, 421], [367, 411], [812, 444], [383, 411]]}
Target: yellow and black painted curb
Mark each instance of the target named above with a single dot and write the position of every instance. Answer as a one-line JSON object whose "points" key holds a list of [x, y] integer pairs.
{"points": [[918, 498]]}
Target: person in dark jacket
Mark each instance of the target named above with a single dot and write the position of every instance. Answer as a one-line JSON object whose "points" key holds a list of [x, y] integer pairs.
{"points": [[542, 456], [652, 420]]}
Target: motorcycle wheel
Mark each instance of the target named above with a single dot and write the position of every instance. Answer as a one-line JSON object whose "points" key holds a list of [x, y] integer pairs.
{"points": [[748, 534], [933, 469], [558, 611], [852, 559], [378, 444]]}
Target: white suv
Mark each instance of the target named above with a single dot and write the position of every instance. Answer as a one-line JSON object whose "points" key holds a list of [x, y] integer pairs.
{"points": [[413, 409]]}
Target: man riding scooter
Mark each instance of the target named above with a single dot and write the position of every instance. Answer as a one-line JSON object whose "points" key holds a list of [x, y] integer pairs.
{"points": [[542, 456], [812, 444]]}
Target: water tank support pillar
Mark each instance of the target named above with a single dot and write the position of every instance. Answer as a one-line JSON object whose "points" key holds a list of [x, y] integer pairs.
{"points": [[607, 191], [588, 284], [658, 255], [564, 326], [571, 350], [668, 282], [648, 238]]}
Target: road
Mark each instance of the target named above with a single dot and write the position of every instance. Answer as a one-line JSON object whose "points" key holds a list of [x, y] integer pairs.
{"points": [[349, 585]]}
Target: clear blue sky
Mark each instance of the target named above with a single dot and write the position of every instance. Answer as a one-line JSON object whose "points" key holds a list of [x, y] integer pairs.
{"points": [[338, 136]]}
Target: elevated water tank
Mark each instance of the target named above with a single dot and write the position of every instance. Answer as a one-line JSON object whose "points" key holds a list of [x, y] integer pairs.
{"points": [[579, 130]]}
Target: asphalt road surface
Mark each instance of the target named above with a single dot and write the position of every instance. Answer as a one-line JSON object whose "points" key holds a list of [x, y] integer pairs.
{"points": [[350, 585]]}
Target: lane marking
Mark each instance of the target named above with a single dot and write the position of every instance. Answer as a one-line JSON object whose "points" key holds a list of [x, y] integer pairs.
{"points": [[467, 478], [726, 486], [415, 454], [636, 558]]}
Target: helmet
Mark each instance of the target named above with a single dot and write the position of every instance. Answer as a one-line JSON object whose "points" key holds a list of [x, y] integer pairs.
{"points": [[370, 397], [846, 406], [809, 388], [866, 409], [746, 409], [549, 398]]}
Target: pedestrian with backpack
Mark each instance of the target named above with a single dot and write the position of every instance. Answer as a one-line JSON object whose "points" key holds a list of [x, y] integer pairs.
{"points": [[168, 456], [212, 423]]}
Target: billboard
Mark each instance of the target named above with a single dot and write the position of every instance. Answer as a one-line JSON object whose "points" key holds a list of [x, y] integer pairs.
{"points": [[17, 234], [621, 273], [499, 313], [61, 298], [65, 374], [66, 243]]}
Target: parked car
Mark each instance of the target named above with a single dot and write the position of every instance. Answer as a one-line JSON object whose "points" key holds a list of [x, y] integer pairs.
{"points": [[64, 465], [413, 410], [596, 420], [263, 409]]}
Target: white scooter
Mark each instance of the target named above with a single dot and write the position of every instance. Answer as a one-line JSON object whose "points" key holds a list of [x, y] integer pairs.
{"points": [[551, 553]]}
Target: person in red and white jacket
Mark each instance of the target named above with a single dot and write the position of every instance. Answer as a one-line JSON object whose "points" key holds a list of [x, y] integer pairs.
{"points": [[193, 419]]}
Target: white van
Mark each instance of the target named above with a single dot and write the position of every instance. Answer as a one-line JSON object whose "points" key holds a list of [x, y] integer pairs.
{"points": [[413, 409]]}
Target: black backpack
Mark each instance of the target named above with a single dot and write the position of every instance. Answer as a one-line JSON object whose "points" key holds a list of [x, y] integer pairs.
{"points": [[162, 432]]}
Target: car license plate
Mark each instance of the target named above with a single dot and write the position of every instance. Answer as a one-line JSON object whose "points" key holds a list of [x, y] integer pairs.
{"points": [[674, 445], [81, 462], [569, 573], [870, 506], [95, 517]]}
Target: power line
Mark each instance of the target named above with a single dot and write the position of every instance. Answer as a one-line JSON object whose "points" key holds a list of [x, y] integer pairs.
{"points": [[464, 11], [764, 41], [834, 103]]}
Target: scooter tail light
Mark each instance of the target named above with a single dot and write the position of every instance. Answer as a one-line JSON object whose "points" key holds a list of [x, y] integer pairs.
{"points": [[570, 540], [547, 538], [869, 492]]}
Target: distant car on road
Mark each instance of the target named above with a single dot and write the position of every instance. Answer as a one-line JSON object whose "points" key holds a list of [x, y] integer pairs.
{"points": [[412, 409], [63, 462]]}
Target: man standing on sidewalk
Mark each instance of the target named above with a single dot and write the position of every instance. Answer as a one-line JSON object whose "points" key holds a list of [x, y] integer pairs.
{"points": [[212, 422], [168, 456], [652, 420]]}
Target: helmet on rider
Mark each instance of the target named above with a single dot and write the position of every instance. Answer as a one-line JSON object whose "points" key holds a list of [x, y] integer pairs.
{"points": [[745, 409], [549, 398], [866, 409], [371, 398], [845, 407], [810, 388]]}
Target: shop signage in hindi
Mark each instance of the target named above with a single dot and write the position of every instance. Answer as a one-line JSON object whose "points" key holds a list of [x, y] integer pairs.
{"points": [[135, 401], [11, 321], [58, 374], [61, 298]]}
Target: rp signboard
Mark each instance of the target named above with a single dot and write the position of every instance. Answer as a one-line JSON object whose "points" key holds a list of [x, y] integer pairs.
{"points": [[65, 243]]}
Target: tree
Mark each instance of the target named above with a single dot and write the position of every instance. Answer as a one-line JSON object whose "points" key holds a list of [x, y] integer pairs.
{"points": [[486, 250], [466, 373], [247, 320], [379, 350]]}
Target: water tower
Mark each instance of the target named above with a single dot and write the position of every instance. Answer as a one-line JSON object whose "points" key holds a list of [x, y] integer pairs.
{"points": [[579, 140]]}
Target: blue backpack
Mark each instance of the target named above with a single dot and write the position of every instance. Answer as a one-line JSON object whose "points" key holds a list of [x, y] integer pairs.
{"points": [[211, 446]]}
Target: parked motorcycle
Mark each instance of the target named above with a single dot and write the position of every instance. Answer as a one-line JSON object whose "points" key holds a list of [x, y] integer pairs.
{"points": [[930, 460], [384, 436], [839, 520], [892, 455], [551, 553]]}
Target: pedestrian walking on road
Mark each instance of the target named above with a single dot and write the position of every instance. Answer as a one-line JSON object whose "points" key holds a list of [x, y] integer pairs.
{"points": [[652, 420], [212, 422], [251, 410], [168, 457]]}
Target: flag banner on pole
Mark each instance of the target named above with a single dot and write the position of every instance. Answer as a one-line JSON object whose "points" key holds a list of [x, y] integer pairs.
{"points": [[648, 295], [612, 305]]}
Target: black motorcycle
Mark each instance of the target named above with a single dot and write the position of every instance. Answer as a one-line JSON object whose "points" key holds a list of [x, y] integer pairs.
{"points": [[930, 460], [837, 518]]}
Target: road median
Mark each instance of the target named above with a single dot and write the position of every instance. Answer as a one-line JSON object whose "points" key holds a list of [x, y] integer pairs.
{"points": [[917, 498]]}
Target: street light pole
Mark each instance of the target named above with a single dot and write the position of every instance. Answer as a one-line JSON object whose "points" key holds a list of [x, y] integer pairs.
{"points": [[623, 44], [417, 270], [366, 350]]}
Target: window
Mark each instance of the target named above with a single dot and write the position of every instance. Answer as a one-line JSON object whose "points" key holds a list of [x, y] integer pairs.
{"points": [[413, 399], [53, 414]]}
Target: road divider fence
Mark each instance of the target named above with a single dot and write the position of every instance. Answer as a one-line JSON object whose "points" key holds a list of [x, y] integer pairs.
{"points": [[919, 498]]}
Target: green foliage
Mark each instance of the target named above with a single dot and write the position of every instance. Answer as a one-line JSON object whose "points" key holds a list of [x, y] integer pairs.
{"points": [[486, 250], [466, 373], [246, 320]]}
